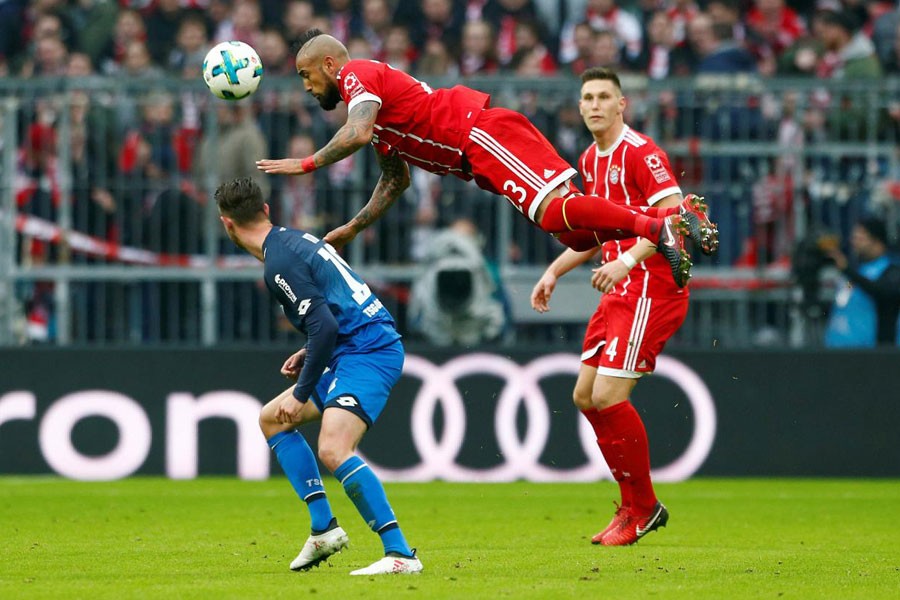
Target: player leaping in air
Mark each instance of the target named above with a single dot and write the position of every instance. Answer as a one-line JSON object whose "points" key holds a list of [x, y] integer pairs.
{"points": [[454, 131]]}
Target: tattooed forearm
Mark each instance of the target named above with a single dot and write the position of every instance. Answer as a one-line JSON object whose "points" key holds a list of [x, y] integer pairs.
{"points": [[394, 179], [353, 135]]}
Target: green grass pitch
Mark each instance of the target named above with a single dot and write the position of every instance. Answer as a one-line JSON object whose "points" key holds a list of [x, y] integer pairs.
{"points": [[225, 538]]}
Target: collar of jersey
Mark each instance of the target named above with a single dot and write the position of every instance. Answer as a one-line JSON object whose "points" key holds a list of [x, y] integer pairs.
{"points": [[615, 144]]}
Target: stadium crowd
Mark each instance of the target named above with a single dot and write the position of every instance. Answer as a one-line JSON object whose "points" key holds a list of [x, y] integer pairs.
{"points": [[139, 159], [659, 38]]}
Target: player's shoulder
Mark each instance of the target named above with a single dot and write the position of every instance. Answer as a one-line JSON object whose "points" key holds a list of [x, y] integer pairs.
{"points": [[638, 141], [288, 244]]}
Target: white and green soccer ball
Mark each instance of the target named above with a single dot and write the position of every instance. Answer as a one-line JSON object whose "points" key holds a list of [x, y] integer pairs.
{"points": [[232, 70]]}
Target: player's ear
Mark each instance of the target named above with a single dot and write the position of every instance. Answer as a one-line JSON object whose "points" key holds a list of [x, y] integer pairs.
{"points": [[266, 209]]}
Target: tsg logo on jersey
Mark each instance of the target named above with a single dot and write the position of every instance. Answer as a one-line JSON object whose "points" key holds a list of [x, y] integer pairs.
{"points": [[656, 168], [285, 287]]}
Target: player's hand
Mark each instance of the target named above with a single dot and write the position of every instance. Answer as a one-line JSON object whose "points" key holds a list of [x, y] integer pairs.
{"points": [[288, 410], [606, 277], [283, 166], [294, 363], [341, 236], [543, 289]]}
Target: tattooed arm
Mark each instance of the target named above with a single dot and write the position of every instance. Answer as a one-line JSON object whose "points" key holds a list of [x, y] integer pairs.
{"points": [[394, 179], [353, 135]]}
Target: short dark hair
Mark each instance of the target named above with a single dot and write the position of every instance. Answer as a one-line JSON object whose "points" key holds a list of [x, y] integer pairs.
{"points": [[240, 200], [601, 73], [876, 228], [305, 38]]}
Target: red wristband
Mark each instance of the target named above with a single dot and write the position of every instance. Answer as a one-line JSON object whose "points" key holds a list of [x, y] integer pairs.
{"points": [[308, 164]]}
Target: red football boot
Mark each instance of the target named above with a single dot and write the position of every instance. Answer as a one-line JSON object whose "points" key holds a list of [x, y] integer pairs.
{"points": [[694, 212], [621, 511], [633, 527]]}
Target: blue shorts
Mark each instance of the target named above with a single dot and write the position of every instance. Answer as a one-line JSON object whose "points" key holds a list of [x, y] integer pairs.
{"points": [[361, 383]]}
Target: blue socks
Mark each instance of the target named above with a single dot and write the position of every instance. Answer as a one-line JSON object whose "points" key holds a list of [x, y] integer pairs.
{"points": [[365, 490], [299, 464]]}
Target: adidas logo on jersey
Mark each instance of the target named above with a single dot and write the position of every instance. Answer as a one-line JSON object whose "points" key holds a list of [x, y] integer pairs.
{"points": [[548, 173]]}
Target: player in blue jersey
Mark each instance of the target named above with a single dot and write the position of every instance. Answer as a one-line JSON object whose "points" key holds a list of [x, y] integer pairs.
{"points": [[352, 359]]}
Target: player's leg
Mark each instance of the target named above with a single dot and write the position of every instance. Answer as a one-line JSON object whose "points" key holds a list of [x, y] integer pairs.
{"points": [[637, 330], [510, 157], [299, 465], [360, 391]]}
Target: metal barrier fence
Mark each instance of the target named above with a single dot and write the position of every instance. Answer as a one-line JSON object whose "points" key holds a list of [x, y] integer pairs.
{"points": [[108, 234]]}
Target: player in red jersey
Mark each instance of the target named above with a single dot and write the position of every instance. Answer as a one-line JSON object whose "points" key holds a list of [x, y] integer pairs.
{"points": [[640, 309], [454, 131]]}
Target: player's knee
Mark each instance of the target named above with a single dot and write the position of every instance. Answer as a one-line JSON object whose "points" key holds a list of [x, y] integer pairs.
{"points": [[605, 399], [331, 453], [581, 399]]}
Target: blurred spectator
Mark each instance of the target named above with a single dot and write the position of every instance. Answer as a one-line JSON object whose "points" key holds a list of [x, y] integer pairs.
{"points": [[191, 46], [376, 23], [680, 13], [243, 25], [94, 21], [398, 50], [848, 52], [457, 301], [604, 15], [505, 17], [275, 54], [129, 28], [234, 150], [583, 42], [137, 62], [162, 28], [728, 12], [607, 51], [359, 47], [298, 18], [343, 21], [50, 58], [435, 61], [531, 59], [11, 14], [478, 51], [440, 20], [892, 61], [885, 33], [297, 204], [717, 49], [662, 57], [867, 301], [772, 27]]}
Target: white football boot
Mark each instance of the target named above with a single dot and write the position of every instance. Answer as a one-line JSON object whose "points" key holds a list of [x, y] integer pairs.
{"points": [[319, 547], [392, 564]]}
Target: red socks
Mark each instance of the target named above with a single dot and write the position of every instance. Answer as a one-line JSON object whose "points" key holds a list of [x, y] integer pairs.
{"points": [[597, 214], [623, 442]]}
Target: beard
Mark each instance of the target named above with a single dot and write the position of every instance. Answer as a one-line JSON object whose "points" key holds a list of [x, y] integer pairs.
{"points": [[330, 97]]}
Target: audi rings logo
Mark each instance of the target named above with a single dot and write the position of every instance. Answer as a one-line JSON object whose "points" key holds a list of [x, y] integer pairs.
{"points": [[522, 456]]}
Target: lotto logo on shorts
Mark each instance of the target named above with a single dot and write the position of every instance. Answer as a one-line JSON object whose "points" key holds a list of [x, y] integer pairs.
{"points": [[655, 164], [347, 401]]}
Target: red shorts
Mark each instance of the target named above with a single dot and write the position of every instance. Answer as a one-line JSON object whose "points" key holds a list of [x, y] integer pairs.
{"points": [[510, 157], [626, 333]]}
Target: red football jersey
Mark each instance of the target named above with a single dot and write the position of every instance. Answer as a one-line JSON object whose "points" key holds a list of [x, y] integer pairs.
{"points": [[426, 127], [634, 172]]}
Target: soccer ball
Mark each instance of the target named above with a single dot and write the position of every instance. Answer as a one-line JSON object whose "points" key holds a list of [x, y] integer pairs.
{"points": [[232, 70]]}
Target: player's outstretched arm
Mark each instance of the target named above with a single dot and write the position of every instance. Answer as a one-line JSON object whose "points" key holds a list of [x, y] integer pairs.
{"points": [[353, 135], [565, 262], [394, 179]]}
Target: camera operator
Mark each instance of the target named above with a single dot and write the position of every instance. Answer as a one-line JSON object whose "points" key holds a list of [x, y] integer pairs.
{"points": [[867, 302]]}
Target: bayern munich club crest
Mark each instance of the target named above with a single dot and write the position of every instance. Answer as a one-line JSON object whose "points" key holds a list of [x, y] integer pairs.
{"points": [[614, 171], [438, 451]]}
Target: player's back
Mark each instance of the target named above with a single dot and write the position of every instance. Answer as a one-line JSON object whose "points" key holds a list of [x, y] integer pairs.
{"points": [[426, 127], [303, 271]]}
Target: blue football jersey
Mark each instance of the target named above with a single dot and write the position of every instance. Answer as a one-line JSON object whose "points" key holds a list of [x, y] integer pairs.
{"points": [[303, 272]]}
